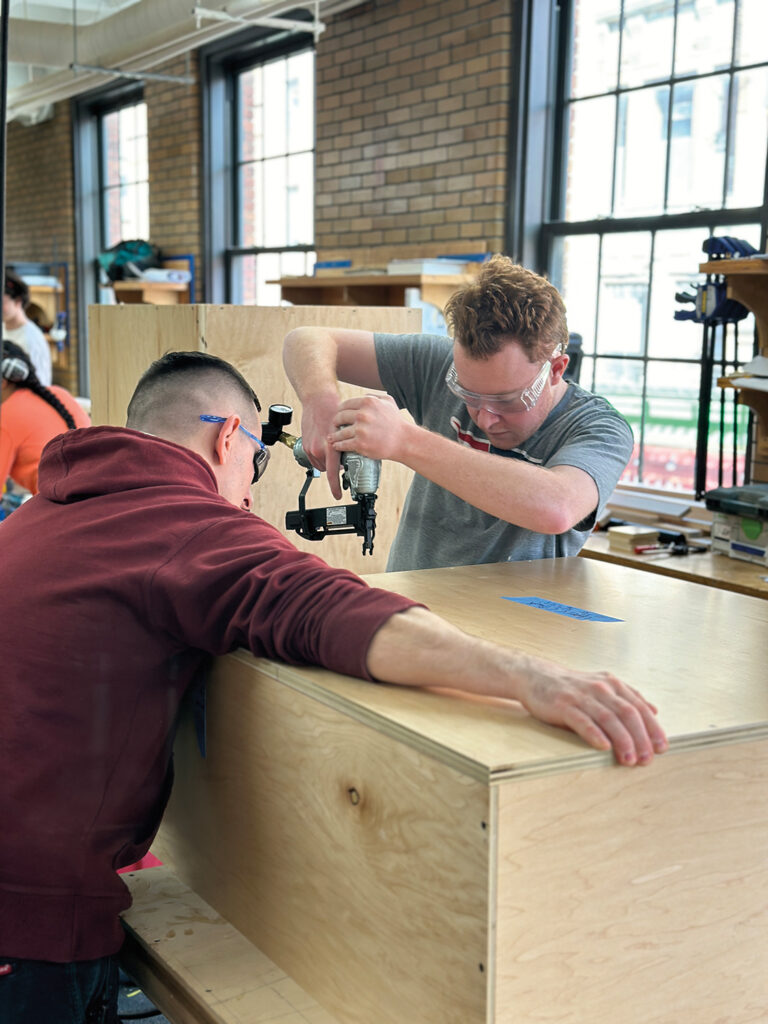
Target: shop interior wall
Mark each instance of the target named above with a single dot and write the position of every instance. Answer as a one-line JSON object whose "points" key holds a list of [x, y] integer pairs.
{"points": [[412, 128], [41, 207], [411, 151]]}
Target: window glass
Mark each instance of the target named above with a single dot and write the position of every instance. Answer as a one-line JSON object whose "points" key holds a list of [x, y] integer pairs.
{"points": [[647, 168], [275, 117], [621, 382], [300, 101], [125, 174], [254, 276], [751, 32], [275, 174], [669, 430], [641, 151], [595, 47], [746, 160], [577, 283], [697, 146], [623, 294], [646, 42], [704, 36], [276, 202], [252, 115], [251, 207], [590, 158], [676, 259]]}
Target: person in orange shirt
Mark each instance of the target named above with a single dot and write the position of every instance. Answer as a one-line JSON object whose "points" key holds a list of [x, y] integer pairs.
{"points": [[30, 416]]}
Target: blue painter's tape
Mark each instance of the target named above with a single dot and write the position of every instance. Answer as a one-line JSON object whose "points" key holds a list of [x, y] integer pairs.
{"points": [[562, 609]]}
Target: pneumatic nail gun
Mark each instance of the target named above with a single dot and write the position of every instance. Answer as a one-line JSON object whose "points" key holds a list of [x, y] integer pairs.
{"points": [[360, 477]]}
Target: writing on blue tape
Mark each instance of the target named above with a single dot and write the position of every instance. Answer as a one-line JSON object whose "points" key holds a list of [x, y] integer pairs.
{"points": [[562, 609]]}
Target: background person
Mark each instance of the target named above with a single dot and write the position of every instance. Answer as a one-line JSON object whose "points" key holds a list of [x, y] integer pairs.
{"points": [[511, 460], [147, 562], [30, 415], [19, 328]]}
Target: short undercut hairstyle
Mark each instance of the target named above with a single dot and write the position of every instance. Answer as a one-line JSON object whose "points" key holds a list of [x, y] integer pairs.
{"points": [[175, 373], [505, 302]]}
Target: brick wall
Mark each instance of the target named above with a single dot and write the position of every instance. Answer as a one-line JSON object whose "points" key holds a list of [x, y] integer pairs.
{"points": [[412, 107], [39, 214], [175, 196], [412, 134]]}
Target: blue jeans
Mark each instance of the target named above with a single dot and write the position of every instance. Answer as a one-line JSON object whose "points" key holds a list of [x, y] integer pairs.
{"points": [[40, 992]]}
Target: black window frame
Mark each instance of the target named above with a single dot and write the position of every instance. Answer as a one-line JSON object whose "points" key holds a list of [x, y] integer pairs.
{"points": [[220, 65], [87, 112], [541, 69]]}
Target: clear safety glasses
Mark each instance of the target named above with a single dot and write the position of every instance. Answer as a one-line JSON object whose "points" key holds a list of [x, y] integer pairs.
{"points": [[260, 456], [508, 402]]}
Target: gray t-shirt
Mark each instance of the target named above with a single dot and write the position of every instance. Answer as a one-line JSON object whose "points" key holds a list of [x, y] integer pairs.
{"points": [[438, 529]]}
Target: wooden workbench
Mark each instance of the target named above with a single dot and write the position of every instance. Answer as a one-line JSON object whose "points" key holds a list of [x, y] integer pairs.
{"points": [[410, 856], [708, 567]]}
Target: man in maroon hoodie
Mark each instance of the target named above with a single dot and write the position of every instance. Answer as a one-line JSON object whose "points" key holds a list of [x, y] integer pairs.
{"points": [[137, 561]]}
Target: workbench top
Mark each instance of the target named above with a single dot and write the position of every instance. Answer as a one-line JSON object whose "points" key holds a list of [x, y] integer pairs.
{"points": [[696, 652]]}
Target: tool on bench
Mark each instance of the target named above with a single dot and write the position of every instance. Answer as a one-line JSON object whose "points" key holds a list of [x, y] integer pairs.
{"points": [[360, 477]]}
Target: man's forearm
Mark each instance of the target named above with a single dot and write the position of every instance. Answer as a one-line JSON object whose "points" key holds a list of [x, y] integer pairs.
{"points": [[533, 497], [309, 358], [417, 648]]}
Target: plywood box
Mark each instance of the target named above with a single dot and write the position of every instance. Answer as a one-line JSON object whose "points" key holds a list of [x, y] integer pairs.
{"points": [[124, 340], [411, 857]]}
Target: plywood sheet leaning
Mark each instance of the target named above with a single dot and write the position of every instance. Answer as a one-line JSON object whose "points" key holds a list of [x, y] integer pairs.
{"points": [[358, 866], [125, 339]]}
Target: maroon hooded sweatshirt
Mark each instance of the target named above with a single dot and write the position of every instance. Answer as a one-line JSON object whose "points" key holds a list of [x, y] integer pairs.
{"points": [[119, 580]]}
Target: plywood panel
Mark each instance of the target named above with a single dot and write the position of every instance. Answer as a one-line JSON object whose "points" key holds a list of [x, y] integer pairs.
{"points": [[357, 865], [197, 968], [697, 652], [124, 340], [636, 895]]}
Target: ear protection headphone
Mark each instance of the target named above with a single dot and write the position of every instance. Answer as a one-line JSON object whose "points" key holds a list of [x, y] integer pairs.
{"points": [[14, 369]]}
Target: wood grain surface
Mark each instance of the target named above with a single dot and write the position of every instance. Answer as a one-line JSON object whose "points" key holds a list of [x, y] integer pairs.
{"points": [[357, 865], [636, 896], [197, 968], [709, 567]]}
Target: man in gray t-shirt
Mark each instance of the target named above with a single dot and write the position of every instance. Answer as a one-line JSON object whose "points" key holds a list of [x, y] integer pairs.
{"points": [[511, 461]]}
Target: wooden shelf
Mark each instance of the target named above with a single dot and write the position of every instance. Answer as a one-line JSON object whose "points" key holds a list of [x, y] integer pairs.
{"points": [[158, 293], [709, 568], [369, 289], [747, 283]]}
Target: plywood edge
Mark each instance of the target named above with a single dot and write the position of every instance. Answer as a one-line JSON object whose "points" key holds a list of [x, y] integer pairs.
{"points": [[599, 759], [300, 680], [493, 903], [192, 963], [310, 683]]}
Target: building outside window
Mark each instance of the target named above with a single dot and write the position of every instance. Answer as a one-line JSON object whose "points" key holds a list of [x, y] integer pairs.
{"points": [[125, 174], [274, 138], [661, 142], [111, 188]]}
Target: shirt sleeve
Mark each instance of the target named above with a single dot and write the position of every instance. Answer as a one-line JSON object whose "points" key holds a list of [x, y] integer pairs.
{"points": [[412, 368], [600, 443], [240, 583]]}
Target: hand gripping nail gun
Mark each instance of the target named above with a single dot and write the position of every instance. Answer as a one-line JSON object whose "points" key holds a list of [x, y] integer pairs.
{"points": [[360, 477]]}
